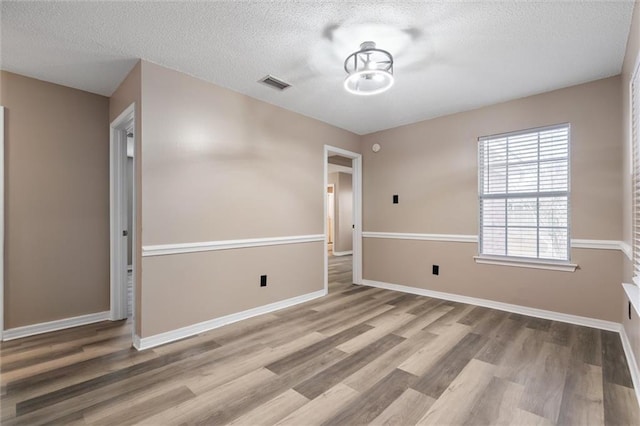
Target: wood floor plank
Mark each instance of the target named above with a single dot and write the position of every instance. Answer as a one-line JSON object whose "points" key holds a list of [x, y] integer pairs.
{"points": [[456, 402], [438, 378], [141, 410], [545, 384], [216, 375], [393, 321], [582, 401], [497, 404], [427, 304], [525, 418], [326, 379], [129, 386], [377, 369], [274, 410], [500, 339], [613, 356], [329, 328], [229, 409], [52, 398], [90, 366], [323, 407], [449, 320], [29, 375], [206, 404], [324, 345], [561, 333], [369, 405], [490, 323], [426, 357], [476, 314], [587, 345], [421, 321], [620, 405], [520, 355], [132, 387], [23, 361], [407, 409]]}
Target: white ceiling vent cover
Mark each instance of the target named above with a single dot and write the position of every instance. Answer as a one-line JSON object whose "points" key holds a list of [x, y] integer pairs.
{"points": [[274, 82]]}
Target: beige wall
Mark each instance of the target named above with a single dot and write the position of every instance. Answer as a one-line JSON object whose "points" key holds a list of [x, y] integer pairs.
{"points": [[130, 92], [217, 165], [632, 326], [57, 201], [186, 289], [432, 166]]}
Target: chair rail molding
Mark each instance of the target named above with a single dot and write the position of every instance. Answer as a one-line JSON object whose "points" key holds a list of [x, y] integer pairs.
{"points": [[168, 249]]}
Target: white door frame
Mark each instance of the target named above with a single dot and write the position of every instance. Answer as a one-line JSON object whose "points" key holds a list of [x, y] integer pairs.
{"points": [[1, 222], [356, 165], [118, 215]]}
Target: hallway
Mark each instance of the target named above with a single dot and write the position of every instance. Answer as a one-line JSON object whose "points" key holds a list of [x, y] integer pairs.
{"points": [[340, 273]]}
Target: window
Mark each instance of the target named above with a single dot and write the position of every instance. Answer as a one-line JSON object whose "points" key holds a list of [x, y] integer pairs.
{"points": [[635, 143], [524, 194]]}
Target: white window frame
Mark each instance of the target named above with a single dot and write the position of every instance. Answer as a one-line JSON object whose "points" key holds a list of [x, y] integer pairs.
{"points": [[634, 104], [527, 262]]}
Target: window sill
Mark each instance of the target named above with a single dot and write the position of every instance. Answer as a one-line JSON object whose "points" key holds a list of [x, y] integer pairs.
{"points": [[633, 294], [526, 263]]}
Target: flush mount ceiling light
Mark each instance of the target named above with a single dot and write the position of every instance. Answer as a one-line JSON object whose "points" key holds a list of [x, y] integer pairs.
{"points": [[370, 70]]}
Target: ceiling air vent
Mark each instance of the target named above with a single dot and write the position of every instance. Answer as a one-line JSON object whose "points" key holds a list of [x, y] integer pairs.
{"points": [[271, 81]]}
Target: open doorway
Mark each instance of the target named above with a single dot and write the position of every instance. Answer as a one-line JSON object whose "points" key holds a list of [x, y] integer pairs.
{"points": [[330, 216], [123, 215], [343, 219]]}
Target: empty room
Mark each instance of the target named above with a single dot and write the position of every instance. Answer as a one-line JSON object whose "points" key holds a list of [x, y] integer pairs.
{"points": [[320, 212]]}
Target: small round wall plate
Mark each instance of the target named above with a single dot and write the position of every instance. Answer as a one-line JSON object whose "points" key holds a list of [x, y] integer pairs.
{"points": [[375, 147]]}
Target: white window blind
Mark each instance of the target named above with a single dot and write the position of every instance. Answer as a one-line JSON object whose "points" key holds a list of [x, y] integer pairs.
{"points": [[635, 143], [524, 193]]}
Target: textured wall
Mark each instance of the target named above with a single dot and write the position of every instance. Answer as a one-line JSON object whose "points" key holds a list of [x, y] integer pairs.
{"points": [[631, 326], [57, 201], [217, 165], [432, 166]]}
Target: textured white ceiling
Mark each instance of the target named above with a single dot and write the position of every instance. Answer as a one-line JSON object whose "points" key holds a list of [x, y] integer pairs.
{"points": [[449, 56]]}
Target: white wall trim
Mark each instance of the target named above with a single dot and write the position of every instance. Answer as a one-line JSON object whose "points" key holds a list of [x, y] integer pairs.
{"points": [[342, 253], [508, 307], [46, 327], [596, 244], [190, 330], [424, 237], [462, 238], [1, 222], [136, 341], [526, 263], [118, 264], [631, 361], [627, 250], [166, 249], [633, 295]]}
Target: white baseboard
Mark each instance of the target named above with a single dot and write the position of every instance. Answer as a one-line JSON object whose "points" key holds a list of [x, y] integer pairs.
{"points": [[342, 253], [190, 330], [136, 341], [46, 327], [631, 361], [508, 307]]}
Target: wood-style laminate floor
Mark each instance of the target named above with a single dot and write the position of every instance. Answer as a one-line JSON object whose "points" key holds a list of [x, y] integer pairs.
{"points": [[360, 355]]}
